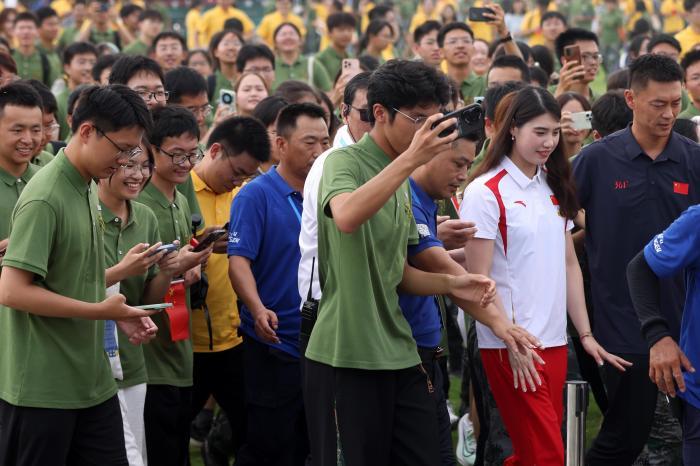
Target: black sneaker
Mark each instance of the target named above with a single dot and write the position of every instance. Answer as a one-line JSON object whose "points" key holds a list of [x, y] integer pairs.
{"points": [[200, 427]]}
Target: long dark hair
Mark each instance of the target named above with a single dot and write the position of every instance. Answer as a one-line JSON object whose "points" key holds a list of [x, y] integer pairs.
{"points": [[373, 29], [529, 103]]}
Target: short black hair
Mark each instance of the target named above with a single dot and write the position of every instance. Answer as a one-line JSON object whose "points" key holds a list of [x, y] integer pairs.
{"points": [[269, 109], [610, 113], [170, 122], [234, 24], [495, 94], [553, 14], [654, 67], [111, 108], [19, 94], [499, 50], [128, 66], [183, 81], [73, 97], [405, 83], [169, 35], [452, 27], [48, 100], [129, 9], [511, 61], [26, 16], [359, 81], [339, 20], [619, 79], [287, 119], [689, 4], [102, 63], [294, 91], [379, 12], [689, 59], [251, 52], [663, 39], [686, 128], [570, 37], [539, 75], [287, 23], [78, 48], [242, 134], [44, 13], [153, 15], [425, 29], [543, 58]]}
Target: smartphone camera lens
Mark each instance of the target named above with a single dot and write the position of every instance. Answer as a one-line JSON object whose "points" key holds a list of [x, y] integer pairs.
{"points": [[227, 99]]}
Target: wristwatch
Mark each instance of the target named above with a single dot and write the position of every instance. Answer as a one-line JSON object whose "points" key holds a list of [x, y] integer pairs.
{"points": [[507, 37]]}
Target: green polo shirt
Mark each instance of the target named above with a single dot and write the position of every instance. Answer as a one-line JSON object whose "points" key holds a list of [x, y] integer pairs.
{"points": [[299, 70], [56, 234], [137, 47], [480, 156], [32, 67], [221, 82], [141, 227], [187, 190], [473, 86], [10, 189], [55, 62], [62, 114], [360, 324], [331, 60], [97, 37], [690, 112], [168, 362], [68, 36], [43, 158]]}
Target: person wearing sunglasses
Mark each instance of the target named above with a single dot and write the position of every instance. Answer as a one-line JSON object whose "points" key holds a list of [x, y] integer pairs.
{"points": [[58, 398], [175, 140]]}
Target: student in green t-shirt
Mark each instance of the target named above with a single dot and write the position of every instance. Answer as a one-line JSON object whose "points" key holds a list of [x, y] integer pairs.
{"points": [[58, 402], [20, 138], [691, 67], [145, 76], [292, 65], [169, 360], [143, 275], [341, 28], [79, 59], [44, 153], [361, 359]]}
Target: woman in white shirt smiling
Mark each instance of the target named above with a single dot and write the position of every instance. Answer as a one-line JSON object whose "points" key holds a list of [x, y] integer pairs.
{"points": [[522, 199]]}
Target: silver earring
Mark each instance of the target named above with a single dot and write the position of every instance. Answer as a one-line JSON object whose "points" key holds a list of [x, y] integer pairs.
{"points": [[512, 137]]}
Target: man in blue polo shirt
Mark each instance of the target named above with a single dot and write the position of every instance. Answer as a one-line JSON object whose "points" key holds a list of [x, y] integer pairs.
{"points": [[633, 184], [668, 254], [263, 261]]}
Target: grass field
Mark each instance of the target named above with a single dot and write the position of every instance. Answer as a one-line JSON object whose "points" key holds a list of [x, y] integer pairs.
{"points": [[592, 422]]}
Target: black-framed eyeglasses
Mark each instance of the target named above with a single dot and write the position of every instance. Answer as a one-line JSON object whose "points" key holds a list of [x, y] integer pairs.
{"points": [[132, 168], [121, 153], [158, 96], [179, 158], [364, 113]]}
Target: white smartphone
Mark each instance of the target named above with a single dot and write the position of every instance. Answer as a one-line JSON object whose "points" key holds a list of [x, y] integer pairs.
{"points": [[227, 97], [581, 120]]}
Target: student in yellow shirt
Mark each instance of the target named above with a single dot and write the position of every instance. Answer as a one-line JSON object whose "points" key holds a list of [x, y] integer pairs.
{"points": [[690, 36], [214, 19], [193, 21], [672, 14], [282, 14], [235, 150], [427, 10], [532, 22]]}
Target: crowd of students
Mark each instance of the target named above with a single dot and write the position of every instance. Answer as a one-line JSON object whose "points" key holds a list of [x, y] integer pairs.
{"points": [[271, 216]]}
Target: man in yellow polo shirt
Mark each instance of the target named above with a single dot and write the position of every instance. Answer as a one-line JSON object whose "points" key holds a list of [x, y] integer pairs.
{"points": [[213, 20], [532, 22], [282, 14], [690, 36], [236, 148]]}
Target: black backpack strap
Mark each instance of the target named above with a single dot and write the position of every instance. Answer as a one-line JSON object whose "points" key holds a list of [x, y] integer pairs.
{"points": [[45, 69]]}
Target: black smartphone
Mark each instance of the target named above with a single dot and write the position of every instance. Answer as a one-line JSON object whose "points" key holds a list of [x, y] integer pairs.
{"points": [[470, 120], [168, 248], [211, 238], [477, 14]]}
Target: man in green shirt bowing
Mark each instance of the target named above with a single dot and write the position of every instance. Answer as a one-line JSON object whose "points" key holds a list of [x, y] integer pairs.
{"points": [[58, 402]]}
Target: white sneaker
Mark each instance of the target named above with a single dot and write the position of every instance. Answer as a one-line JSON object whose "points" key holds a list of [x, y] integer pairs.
{"points": [[450, 410], [466, 443]]}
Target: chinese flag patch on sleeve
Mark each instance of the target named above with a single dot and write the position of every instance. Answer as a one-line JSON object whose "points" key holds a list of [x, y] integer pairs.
{"points": [[554, 199], [680, 188]]}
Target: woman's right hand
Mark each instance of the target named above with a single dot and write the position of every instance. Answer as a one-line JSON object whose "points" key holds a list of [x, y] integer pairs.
{"points": [[222, 113], [525, 373]]}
